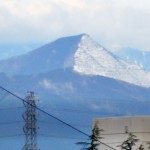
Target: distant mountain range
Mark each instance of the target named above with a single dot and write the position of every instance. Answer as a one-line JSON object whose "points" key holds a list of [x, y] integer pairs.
{"points": [[82, 54], [76, 68], [135, 56], [77, 74], [10, 50]]}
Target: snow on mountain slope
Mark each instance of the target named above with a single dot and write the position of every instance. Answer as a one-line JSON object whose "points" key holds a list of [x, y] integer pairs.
{"points": [[135, 56], [72, 97], [93, 59], [81, 54]]}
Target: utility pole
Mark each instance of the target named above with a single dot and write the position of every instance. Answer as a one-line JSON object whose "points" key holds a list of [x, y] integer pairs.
{"points": [[30, 127]]}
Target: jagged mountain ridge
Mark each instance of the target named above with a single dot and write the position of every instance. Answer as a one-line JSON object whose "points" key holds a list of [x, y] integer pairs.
{"points": [[73, 84], [82, 54], [54, 55], [135, 56], [93, 59]]}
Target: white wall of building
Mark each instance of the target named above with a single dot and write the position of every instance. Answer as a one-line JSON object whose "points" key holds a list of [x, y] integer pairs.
{"points": [[116, 130]]}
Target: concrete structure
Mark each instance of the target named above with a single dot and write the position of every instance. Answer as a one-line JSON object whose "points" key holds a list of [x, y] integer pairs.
{"points": [[116, 130]]}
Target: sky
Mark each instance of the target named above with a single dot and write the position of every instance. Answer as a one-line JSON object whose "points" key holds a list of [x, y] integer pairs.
{"points": [[112, 23]]}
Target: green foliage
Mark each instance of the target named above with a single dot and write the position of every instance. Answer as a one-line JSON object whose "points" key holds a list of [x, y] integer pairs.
{"points": [[141, 147], [129, 143], [94, 140]]}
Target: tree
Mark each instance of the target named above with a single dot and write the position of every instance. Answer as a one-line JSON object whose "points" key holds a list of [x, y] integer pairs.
{"points": [[129, 143], [94, 140], [141, 147]]}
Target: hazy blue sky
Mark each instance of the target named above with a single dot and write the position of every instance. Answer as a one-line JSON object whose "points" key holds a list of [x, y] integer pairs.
{"points": [[112, 23]]}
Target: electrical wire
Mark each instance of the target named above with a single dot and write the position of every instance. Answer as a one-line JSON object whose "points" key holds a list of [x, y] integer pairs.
{"points": [[121, 142], [125, 133], [79, 125], [42, 122], [8, 108], [41, 134], [11, 122], [58, 136], [12, 135], [43, 111], [50, 115]]}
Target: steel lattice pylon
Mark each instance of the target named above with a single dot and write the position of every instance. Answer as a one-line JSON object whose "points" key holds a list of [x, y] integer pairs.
{"points": [[30, 117]]}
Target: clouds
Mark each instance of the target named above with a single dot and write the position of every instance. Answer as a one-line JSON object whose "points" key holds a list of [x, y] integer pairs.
{"points": [[61, 89], [112, 23], [23, 21]]}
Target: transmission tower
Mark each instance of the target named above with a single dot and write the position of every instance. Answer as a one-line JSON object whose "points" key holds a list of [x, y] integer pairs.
{"points": [[30, 117]]}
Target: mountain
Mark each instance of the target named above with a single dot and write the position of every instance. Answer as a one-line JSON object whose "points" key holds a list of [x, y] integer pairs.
{"points": [[135, 56], [75, 79], [72, 97], [76, 72], [68, 88], [82, 54], [55, 55], [10, 50]]}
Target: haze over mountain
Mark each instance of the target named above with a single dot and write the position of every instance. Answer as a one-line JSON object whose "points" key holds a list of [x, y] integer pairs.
{"points": [[135, 56], [82, 54], [10, 50], [77, 72], [75, 79]]}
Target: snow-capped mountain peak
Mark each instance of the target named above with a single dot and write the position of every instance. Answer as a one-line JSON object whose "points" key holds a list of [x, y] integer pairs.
{"points": [[82, 54], [92, 59]]}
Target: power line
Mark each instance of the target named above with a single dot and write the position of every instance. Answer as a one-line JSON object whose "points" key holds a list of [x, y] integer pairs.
{"points": [[8, 108], [43, 111], [121, 142], [50, 115], [40, 134], [42, 122], [46, 122], [58, 136], [12, 135], [10, 122], [140, 132], [50, 122]]}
